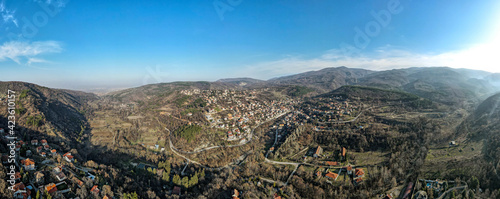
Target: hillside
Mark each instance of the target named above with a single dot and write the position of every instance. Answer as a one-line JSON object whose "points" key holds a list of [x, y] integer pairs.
{"points": [[439, 84], [42, 109], [323, 80], [484, 121]]}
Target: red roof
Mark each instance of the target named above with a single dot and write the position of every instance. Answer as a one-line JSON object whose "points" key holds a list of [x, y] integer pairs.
{"points": [[318, 150], [332, 163], [332, 175], [27, 162], [349, 168], [51, 188], [359, 172], [95, 189]]}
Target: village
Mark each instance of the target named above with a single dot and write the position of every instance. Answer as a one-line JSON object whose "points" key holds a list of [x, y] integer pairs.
{"points": [[236, 112], [42, 170]]}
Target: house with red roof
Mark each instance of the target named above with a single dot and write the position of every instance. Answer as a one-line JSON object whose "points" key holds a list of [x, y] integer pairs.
{"points": [[44, 142], [332, 175], [236, 194], [95, 190], [330, 163], [21, 192], [68, 157], [359, 173], [349, 170], [318, 152], [51, 188], [29, 165], [34, 142]]}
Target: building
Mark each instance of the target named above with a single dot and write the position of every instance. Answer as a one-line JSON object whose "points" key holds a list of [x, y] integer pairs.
{"points": [[330, 163], [44, 142], [39, 177], [176, 191], [236, 194], [332, 175], [61, 176], [68, 157], [51, 188], [349, 170], [318, 152], [29, 165], [34, 142], [95, 190], [20, 191], [359, 173]]}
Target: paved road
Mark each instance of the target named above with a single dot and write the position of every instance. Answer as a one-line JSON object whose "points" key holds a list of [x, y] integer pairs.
{"points": [[454, 188]]}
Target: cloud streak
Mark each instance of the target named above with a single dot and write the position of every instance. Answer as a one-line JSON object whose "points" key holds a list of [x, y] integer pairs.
{"points": [[7, 15], [27, 52]]}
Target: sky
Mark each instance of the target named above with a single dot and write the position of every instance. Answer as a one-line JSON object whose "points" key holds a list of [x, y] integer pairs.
{"points": [[92, 44]]}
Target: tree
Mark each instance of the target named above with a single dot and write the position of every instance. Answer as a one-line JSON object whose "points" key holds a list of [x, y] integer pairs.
{"points": [[176, 180], [130, 196], [165, 177], [193, 181], [185, 182], [38, 194], [474, 184]]}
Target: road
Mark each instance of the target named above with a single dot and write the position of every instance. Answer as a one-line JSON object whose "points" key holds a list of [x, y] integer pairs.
{"points": [[454, 188], [283, 163], [195, 162], [273, 181]]}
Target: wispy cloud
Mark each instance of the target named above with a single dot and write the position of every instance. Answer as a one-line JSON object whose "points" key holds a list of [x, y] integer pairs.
{"points": [[8, 16], [27, 52], [56, 3], [480, 57]]}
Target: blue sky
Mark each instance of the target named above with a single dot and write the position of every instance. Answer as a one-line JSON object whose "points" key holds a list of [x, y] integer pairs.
{"points": [[99, 44]]}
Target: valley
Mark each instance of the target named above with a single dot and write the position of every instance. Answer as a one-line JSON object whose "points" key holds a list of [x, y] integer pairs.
{"points": [[332, 133]]}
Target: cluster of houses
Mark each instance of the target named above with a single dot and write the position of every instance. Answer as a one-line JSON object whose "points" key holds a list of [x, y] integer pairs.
{"points": [[355, 174], [331, 109], [236, 111], [38, 172]]}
